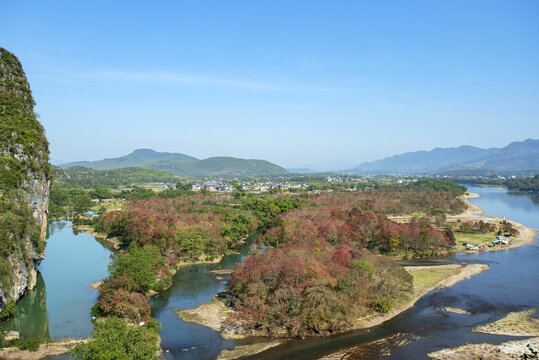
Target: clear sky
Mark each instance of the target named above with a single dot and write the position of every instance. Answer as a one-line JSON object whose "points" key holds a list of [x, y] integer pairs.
{"points": [[298, 83]]}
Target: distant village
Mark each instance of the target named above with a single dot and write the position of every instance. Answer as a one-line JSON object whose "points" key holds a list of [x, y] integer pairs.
{"points": [[257, 187], [222, 185]]}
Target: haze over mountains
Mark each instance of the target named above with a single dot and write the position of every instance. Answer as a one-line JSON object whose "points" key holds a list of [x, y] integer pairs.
{"points": [[185, 165], [517, 156]]}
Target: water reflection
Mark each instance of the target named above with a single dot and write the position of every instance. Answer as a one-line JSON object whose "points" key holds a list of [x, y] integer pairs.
{"points": [[62, 308], [192, 286], [31, 319]]}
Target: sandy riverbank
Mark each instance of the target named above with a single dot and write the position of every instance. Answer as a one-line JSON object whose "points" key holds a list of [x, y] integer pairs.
{"points": [[506, 350], [521, 323], [55, 348]]}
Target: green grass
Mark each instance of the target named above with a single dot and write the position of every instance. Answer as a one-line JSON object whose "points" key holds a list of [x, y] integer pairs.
{"points": [[427, 278], [474, 238], [110, 204]]}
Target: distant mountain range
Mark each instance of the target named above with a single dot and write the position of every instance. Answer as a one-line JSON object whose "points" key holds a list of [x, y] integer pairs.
{"points": [[185, 165], [517, 156]]}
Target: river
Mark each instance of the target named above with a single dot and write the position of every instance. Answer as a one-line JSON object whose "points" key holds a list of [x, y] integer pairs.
{"points": [[74, 261], [59, 305]]}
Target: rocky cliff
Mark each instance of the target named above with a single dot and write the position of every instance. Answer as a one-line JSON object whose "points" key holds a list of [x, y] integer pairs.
{"points": [[24, 183]]}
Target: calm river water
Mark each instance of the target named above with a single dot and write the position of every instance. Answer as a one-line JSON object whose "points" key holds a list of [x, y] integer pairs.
{"points": [[60, 304]]}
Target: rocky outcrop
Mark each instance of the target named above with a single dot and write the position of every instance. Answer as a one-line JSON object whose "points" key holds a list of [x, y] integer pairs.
{"points": [[24, 183]]}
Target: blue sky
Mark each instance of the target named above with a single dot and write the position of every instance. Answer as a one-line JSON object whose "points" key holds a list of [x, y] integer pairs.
{"points": [[300, 83]]}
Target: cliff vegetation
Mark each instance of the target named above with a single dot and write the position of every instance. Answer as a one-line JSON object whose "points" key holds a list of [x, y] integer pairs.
{"points": [[24, 183]]}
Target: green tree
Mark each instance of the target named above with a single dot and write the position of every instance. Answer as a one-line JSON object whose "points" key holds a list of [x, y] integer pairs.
{"points": [[191, 241], [113, 339], [139, 264], [81, 203]]}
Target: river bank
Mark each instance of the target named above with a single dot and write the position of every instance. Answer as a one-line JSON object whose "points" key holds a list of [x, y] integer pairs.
{"points": [[514, 324], [214, 313], [54, 348], [506, 350]]}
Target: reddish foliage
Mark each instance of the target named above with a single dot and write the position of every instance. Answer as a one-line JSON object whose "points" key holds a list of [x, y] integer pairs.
{"points": [[316, 289], [130, 305]]}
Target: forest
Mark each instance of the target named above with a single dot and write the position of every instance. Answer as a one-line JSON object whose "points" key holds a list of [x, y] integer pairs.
{"points": [[324, 250], [524, 184], [327, 268]]}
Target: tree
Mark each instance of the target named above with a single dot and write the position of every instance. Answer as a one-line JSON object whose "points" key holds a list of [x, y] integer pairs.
{"points": [[139, 264], [112, 339], [81, 203]]}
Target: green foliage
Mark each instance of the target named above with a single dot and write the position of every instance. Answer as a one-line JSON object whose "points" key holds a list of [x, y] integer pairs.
{"points": [[3, 342], [137, 193], [112, 339], [139, 264], [101, 193], [364, 267], [31, 344], [96, 310], [438, 185], [527, 184], [193, 242], [162, 284], [88, 178], [8, 311], [382, 304], [24, 155], [81, 203]]}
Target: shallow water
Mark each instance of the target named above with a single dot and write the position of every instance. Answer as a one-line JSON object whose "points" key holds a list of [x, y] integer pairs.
{"points": [[59, 305]]}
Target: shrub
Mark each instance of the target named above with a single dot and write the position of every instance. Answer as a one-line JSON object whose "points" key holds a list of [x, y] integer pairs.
{"points": [[112, 338], [8, 311], [139, 264], [31, 344]]}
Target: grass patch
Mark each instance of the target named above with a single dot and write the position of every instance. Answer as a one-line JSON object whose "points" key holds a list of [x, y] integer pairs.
{"points": [[188, 316], [474, 238], [427, 278], [109, 204]]}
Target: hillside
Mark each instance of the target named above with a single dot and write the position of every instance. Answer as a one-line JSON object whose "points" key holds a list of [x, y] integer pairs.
{"points": [[78, 176], [184, 165], [517, 156], [138, 158], [24, 184]]}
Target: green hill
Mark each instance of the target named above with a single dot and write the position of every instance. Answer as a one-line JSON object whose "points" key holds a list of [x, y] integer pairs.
{"points": [[138, 158], [78, 176], [185, 165]]}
